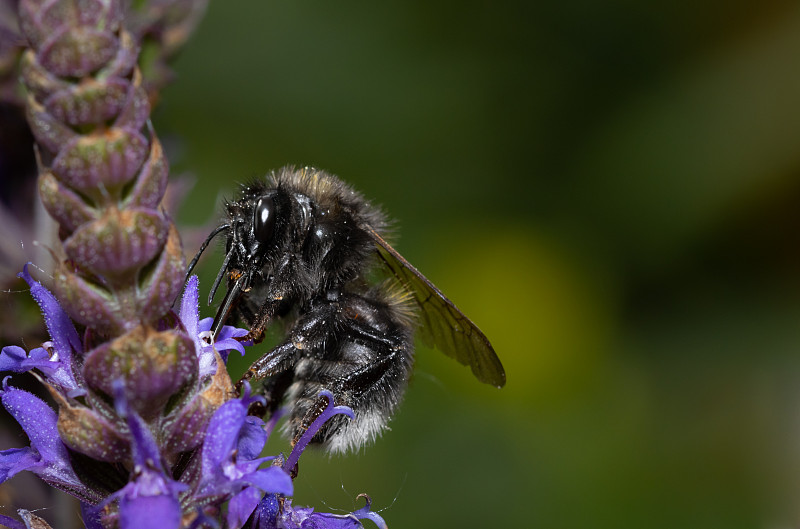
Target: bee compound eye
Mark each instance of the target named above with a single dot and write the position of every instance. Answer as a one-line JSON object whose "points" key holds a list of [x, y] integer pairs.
{"points": [[264, 219]]}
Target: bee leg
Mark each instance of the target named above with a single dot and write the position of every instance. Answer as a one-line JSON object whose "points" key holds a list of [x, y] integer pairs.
{"points": [[276, 361], [309, 334], [258, 322], [273, 389]]}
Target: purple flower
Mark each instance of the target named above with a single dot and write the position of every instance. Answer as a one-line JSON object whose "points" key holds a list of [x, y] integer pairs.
{"points": [[290, 517], [230, 462], [227, 456], [151, 492], [54, 358], [274, 512], [47, 456], [150, 499], [200, 331]]}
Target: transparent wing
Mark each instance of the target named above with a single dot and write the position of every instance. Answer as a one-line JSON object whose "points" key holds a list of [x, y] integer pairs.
{"points": [[442, 325]]}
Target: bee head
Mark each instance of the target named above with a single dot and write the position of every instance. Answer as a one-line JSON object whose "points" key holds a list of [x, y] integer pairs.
{"points": [[264, 226], [257, 235]]}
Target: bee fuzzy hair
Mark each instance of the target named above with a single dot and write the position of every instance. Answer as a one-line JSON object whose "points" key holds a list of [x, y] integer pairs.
{"points": [[329, 192]]}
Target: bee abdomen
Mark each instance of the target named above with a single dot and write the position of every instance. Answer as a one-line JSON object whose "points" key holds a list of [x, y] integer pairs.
{"points": [[366, 366]]}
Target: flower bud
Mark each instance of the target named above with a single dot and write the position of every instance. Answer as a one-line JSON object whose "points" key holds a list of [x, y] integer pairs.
{"points": [[118, 242], [152, 365]]}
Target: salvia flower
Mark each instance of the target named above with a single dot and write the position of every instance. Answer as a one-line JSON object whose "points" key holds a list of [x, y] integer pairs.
{"points": [[145, 428], [102, 432], [225, 465], [151, 495], [231, 462], [47, 456], [272, 513]]}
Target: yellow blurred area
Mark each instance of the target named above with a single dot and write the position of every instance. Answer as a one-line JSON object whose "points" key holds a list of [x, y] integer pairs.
{"points": [[547, 322]]}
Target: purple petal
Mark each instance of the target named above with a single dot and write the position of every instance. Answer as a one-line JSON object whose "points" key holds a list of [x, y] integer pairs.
{"points": [[226, 340], [229, 457], [292, 517], [242, 505], [189, 314], [206, 358], [189, 309], [16, 460], [330, 410], [11, 523], [271, 479], [60, 327], [14, 358], [266, 515], [223, 432], [229, 331], [150, 500], [143, 445], [225, 345], [90, 515], [205, 325], [365, 512], [252, 438], [324, 520], [162, 511], [306, 518], [39, 422]]}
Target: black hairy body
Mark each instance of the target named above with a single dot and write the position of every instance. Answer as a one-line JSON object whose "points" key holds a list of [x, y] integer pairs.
{"points": [[300, 246]]}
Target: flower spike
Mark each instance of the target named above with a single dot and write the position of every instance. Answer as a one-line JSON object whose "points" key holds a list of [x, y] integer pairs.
{"points": [[146, 430]]}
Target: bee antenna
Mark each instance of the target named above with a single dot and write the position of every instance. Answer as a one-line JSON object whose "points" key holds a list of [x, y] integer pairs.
{"points": [[222, 270], [203, 248]]}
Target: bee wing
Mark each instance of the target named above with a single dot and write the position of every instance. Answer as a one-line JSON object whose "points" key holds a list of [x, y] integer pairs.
{"points": [[442, 324]]}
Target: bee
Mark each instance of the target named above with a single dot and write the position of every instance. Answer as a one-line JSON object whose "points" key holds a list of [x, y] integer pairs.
{"points": [[300, 247]]}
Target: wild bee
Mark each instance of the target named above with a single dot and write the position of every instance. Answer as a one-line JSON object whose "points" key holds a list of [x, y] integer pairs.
{"points": [[302, 247]]}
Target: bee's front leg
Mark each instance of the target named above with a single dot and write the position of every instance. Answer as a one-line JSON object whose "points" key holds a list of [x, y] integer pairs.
{"points": [[257, 320]]}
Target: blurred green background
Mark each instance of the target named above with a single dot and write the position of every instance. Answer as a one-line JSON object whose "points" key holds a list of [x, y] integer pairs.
{"points": [[609, 188]]}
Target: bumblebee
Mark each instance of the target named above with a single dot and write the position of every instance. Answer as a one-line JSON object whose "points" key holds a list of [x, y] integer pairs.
{"points": [[302, 247]]}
